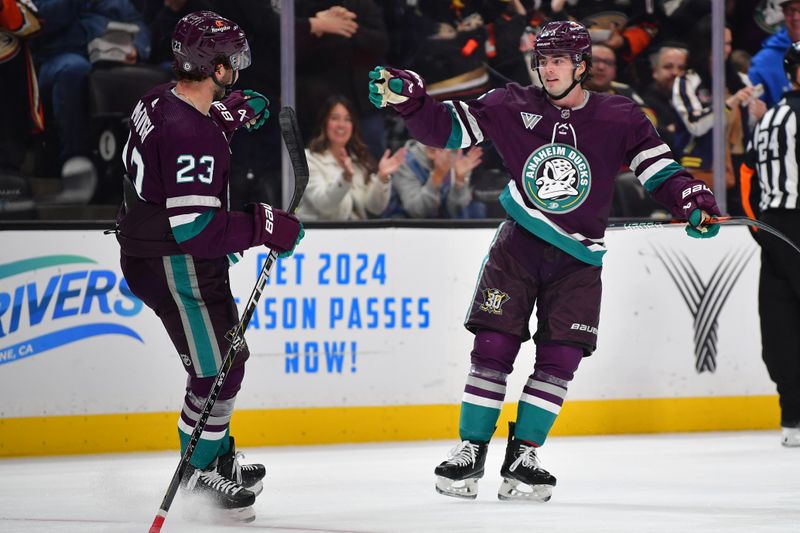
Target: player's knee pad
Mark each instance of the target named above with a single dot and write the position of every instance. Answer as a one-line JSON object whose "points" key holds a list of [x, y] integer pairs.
{"points": [[495, 350], [201, 387], [558, 360]]}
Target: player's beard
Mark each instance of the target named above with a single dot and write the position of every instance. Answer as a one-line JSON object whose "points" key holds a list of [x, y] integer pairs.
{"points": [[219, 92], [222, 88]]}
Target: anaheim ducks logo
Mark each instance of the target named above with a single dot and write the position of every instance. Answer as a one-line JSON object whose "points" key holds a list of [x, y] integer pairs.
{"points": [[557, 178]]}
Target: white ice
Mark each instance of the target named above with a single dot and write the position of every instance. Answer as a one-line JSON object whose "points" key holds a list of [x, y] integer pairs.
{"points": [[702, 482]]}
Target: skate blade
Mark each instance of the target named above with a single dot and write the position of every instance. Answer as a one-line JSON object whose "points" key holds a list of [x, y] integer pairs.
{"points": [[218, 516], [256, 489], [466, 488], [511, 489]]}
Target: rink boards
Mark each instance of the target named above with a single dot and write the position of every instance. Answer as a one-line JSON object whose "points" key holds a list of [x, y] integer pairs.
{"points": [[359, 337]]}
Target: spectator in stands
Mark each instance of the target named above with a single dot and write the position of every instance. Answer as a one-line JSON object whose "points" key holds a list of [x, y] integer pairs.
{"points": [[691, 97], [345, 183], [434, 182], [256, 160], [628, 28], [509, 45], [667, 63], [22, 116], [63, 66], [339, 64], [767, 65], [163, 24], [604, 74]]}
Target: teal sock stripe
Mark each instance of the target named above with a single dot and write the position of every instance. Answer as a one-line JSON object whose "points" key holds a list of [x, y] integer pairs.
{"points": [[477, 422], [533, 423], [206, 450]]}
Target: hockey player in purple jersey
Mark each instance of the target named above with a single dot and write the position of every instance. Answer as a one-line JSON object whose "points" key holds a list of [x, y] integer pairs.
{"points": [[177, 237], [562, 147]]}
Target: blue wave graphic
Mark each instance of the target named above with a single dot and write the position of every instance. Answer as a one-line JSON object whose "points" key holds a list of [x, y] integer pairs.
{"points": [[55, 339]]}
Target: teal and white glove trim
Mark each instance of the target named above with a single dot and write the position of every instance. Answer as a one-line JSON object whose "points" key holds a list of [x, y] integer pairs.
{"points": [[393, 86], [698, 228]]}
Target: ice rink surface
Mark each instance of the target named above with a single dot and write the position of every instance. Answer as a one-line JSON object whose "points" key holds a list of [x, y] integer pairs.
{"points": [[701, 482]]}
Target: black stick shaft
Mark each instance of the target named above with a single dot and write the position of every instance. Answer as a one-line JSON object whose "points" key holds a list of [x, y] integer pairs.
{"points": [[645, 224]]}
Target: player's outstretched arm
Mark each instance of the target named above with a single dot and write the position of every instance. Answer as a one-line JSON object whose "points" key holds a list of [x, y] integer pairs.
{"points": [[666, 180], [441, 124]]}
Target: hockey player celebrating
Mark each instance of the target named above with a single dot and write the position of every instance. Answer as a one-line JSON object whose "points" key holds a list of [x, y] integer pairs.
{"points": [[562, 147], [177, 236]]}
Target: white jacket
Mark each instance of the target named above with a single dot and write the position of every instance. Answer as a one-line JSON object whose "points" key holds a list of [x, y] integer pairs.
{"points": [[329, 197]]}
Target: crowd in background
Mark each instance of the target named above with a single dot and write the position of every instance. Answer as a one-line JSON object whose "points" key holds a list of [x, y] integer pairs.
{"points": [[73, 69]]}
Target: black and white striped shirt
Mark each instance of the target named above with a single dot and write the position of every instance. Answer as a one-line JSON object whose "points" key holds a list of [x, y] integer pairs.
{"points": [[774, 154]]}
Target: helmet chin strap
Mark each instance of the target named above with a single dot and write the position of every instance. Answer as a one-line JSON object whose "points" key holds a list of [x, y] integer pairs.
{"points": [[226, 87], [568, 89]]}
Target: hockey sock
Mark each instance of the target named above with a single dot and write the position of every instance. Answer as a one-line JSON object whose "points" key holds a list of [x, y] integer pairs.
{"points": [[225, 444], [492, 358], [206, 450], [481, 403], [544, 393], [216, 433]]}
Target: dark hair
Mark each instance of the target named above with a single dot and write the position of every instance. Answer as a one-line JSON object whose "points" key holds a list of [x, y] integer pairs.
{"points": [[355, 146]]}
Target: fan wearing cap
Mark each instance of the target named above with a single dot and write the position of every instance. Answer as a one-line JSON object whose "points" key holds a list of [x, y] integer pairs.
{"points": [[766, 67], [562, 147], [177, 238]]}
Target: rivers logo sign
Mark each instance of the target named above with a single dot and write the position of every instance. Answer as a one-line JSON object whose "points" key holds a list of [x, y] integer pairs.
{"points": [[50, 301]]}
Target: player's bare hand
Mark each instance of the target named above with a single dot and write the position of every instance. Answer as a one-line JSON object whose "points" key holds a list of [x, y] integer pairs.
{"points": [[390, 163], [466, 162]]}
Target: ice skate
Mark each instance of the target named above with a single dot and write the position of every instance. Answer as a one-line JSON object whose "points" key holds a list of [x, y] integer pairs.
{"points": [[224, 500], [790, 437], [523, 477], [458, 475], [248, 476]]}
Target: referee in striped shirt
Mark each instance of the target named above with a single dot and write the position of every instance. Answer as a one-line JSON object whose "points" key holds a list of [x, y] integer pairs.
{"points": [[773, 198]]}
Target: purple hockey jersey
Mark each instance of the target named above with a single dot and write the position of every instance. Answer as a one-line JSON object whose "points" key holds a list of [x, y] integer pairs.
{"points": [[562, 162], [179, 160]]}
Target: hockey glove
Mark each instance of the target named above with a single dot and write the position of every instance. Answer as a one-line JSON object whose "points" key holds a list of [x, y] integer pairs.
{"points": [[300, 236], [274, 228], [698, 204], [393, 86], [241, 108]]}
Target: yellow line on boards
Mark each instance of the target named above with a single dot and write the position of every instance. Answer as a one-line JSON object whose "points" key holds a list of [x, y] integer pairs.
{"points": [[131, 432]]}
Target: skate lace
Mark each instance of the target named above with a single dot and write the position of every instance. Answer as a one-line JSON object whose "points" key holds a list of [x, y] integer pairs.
{"points": [[214, 480], [463, 454], [527, 458], [237, 467]]}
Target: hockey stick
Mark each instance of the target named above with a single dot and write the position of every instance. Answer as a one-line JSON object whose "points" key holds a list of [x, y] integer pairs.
{"points": [[639, 224], [294, 145]]}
